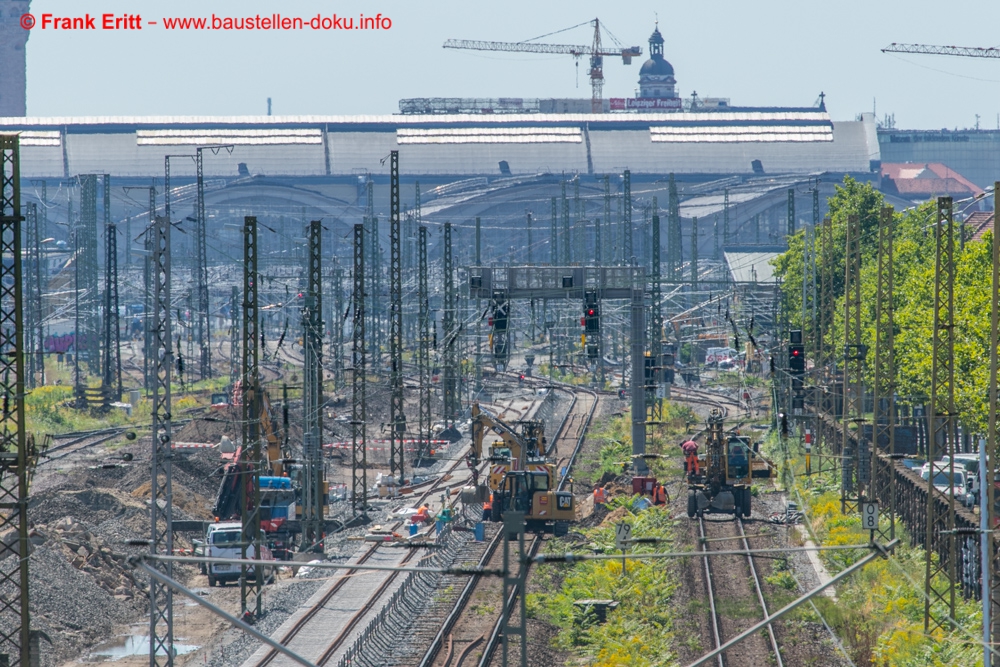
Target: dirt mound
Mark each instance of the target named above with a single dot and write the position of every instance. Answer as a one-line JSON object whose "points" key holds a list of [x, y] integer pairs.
{"points": [[209, 430], [98, 505], [192, 504], [614, 517], [81, 588]]}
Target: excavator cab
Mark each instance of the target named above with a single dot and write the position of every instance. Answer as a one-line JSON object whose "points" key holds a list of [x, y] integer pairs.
{"points": [[737, 462], [532, 492]]}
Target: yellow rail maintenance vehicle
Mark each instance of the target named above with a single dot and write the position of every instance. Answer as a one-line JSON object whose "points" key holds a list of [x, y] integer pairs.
{"points": [[516, 450], [723, 485], [533, 492]]}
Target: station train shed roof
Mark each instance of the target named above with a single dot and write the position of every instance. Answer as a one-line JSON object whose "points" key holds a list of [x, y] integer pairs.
{"points": [[784, 140]]}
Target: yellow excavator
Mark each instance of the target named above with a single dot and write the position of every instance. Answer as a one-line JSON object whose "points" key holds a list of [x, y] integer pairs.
{"points": [[520, 478], [723, 485], [519, 448]]}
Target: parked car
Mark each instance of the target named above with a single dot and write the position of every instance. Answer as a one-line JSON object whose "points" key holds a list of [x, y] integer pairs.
{"points": [[942, 483]]}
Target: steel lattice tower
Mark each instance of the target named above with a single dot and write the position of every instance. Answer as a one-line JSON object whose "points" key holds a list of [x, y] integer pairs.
{"points": [[824, 338], [673, 224], [567, 253], [579, 225], [553, 236], [809, 289], [991, 571], [203, 324], [250, 590], [424, 349], [338, 322], [527, 221], [33, 311], [725, 219], [112, 358], [939, 568], [397, 416], [884, 430], [655, 345], [854, 364], [359, 449], [147, 293], [791, 212], [451, 397], [161, 617], [627, 247], [14, 456], [234, 342], [694, 258], [312, 390], [87, 334]]}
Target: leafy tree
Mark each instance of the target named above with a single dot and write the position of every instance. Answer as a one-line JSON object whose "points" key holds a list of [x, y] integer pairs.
{"points": [[914, 251]]}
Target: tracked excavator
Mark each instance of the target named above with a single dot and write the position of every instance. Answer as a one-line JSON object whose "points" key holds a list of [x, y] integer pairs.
{"points": [[520, 478], [280, 484]]}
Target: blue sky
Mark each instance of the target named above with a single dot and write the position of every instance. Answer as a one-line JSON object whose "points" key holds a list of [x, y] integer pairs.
{"points": [[755, 53]]}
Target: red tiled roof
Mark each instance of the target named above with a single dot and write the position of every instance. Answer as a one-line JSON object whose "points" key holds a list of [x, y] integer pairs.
{"points": [[978, 224], [928, 179]]}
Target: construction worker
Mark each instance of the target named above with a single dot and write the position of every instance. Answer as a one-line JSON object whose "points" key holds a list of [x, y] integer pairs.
{"points": [[659, 495], [690, 449], [488, 509], [600, 496]]}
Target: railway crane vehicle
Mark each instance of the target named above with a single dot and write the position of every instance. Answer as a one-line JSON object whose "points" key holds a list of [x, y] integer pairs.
{"points": [[723, 485]]}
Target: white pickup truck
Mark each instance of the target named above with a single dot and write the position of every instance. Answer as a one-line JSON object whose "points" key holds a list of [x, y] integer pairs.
{"points": [[223, 540]]}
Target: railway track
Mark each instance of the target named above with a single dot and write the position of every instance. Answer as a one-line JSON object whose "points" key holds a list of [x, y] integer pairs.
{"points": [[308, 635], [566, 445], [733, 584], [310, 630]]}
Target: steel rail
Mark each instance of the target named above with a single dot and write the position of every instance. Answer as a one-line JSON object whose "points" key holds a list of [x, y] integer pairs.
{"points": [[315, 609], [470, 586], [713, 612], [760, 595], [494, 637]]}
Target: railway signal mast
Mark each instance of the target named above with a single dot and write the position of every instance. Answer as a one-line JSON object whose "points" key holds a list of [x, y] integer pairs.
{"points": [[595, 52]]}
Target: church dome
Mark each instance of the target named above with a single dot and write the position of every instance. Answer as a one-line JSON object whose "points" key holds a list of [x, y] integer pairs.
{"points": [[656, 67]]}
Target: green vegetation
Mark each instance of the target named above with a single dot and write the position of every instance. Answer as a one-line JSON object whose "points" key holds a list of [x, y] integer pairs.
{"points": [[913, 292], [615, 436], [879, 611], [49, 409], [640, 631]]}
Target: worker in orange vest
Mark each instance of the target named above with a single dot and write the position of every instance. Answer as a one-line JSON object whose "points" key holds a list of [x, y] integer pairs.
{"points": [[691, 465], [600, 495], [488, 509], [659, 495]]}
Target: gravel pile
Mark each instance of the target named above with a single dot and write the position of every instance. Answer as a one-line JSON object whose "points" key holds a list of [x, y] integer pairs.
{"points": [[77, 596]]}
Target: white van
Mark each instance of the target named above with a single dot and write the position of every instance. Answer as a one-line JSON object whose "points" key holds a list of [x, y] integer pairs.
{"points": [[942, 484], [224, 540]]}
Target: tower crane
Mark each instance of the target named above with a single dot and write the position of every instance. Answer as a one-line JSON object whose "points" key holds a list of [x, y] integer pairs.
{"points": [[595, 51], [966, 51]]}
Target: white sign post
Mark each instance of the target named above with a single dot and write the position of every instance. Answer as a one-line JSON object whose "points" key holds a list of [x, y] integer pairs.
{"points": [[623, 533], [869, 516]]}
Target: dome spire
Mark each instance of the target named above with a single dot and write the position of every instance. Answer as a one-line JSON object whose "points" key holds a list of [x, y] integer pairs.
{"points": [[656, 43]]}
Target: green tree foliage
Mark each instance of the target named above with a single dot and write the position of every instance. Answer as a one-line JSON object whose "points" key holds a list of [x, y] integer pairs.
{"points": [[913, 296], [853, 198]]}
